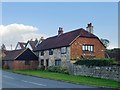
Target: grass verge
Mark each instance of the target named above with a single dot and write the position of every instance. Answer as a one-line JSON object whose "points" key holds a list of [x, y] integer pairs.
{"points": [[70, 78]]}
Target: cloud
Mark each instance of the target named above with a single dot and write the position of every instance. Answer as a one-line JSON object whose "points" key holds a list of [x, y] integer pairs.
{"points": [[13, 33]]}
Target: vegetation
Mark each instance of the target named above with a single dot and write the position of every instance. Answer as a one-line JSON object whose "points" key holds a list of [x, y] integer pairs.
{"points": [[105, 42], [3, 47], [70, 78], [58, 69], [114, 53], [96, 62], [113, 50]]}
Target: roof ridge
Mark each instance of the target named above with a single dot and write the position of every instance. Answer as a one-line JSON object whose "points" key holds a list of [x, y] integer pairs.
{"points": [[21, 42], [66, 32], [14, 50]]}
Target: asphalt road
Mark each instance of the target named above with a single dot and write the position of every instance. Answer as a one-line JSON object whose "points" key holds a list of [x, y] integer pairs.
{"points": [[12, 80]]}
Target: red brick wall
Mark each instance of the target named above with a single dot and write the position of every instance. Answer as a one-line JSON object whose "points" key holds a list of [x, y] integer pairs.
{"points": [[20, 65], [76, 48]]}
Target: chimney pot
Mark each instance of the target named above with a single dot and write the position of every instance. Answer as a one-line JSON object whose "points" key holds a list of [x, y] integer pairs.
{"points": [[60, 31], [89, 25], [90, 28]]}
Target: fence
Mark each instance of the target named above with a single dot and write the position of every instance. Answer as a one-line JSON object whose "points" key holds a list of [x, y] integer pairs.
{"points": [[106, 72]]}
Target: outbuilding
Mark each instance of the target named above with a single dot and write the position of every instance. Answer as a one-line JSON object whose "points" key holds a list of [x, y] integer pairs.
{"points": [[22, 59]]}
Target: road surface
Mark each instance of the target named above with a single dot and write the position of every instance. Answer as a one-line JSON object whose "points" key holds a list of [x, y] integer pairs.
{"points": [[13, 80]]}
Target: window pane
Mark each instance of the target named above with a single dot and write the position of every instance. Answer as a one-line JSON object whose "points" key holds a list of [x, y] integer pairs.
{"points": [[57, 62], [92, 48], [89, 48], [63, 50], [51, 52], [42, 53], [83, 47], [86, 47]]}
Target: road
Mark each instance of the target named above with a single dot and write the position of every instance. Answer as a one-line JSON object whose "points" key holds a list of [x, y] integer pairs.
{"points": [[13, 80]]}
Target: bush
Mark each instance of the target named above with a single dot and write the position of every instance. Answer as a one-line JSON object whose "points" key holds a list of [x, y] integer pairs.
{"points": [[58, 69], [96, 62], [42, 67]]}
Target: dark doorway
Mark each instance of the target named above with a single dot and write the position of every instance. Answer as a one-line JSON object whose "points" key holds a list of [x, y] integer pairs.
{"points": [[47, 62], [42, 62]]}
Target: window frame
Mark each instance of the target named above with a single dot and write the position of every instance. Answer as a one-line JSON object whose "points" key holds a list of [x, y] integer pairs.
{"points": [[63, 50], [58, 62], [51, 52], [42, 53], [88, 48]]}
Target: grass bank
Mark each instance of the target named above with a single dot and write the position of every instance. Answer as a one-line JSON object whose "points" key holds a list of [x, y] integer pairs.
{"points": [[70, 78]]}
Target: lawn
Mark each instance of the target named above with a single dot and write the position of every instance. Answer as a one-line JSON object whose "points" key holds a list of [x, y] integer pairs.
{"points": [[70, 78]]}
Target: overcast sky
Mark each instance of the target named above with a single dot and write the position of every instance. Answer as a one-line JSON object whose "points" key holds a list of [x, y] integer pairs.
{"points": [[23, 21]]}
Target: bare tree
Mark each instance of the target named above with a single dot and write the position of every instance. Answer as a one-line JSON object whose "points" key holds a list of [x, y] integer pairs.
{"points": [[3, 47]]}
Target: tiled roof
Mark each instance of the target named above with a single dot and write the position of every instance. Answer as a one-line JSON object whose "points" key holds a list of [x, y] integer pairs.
{"points": [[11, 55], [22, 44], [64, 39], [21, 54], [32, 43]]}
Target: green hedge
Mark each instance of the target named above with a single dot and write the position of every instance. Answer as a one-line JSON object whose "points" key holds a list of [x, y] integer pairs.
{"points": [[96, 62]]}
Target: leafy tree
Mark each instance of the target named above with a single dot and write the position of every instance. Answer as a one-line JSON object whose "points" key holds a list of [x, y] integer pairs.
{"points": [[105, 42], [114, 50], [114, 53]]}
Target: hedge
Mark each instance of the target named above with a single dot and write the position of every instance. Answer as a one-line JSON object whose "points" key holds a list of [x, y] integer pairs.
{"points": [[58, 69], [96, 62]]}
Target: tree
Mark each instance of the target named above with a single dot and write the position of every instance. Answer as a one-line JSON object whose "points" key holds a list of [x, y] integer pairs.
{"points": [[3, 47], [105, 42], [114, 53]]}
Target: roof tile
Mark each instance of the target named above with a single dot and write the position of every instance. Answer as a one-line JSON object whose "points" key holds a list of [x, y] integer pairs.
{"points": [[63, 40]]}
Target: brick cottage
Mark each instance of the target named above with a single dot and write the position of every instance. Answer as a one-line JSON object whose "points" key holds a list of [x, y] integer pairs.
{"points": [[65, 48]]}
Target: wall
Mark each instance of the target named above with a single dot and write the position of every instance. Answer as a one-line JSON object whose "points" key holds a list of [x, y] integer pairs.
{"points": [[65, 58], [76, 48], [7, 64], [106, 72], [20, 65]]}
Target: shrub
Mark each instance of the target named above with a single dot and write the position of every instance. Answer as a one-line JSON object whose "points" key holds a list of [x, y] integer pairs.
{"points": [[41, 68], [96, 62], [58, 69]]}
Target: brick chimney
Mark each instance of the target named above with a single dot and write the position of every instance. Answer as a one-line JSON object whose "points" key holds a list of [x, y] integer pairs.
{"points": [[90, 28], [60, 31], [36, 40], [42, 38]]}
